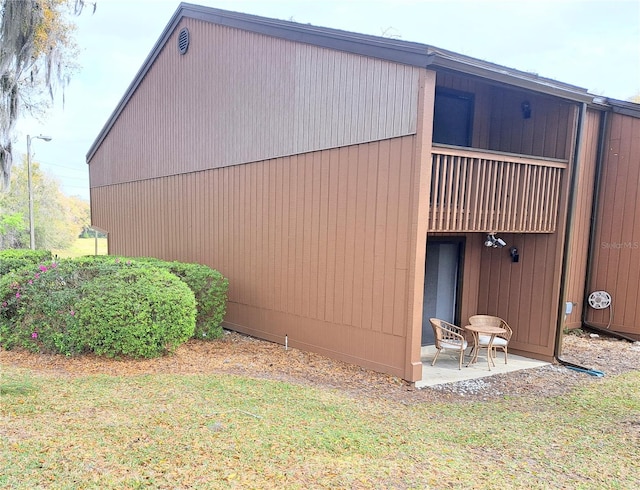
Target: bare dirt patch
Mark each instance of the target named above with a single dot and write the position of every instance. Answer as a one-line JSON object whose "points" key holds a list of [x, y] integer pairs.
{"points": [[238, 354]]}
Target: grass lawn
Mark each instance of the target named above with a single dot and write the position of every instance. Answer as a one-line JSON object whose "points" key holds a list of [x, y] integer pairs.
{"points": [[220, 431], [83, 246]]}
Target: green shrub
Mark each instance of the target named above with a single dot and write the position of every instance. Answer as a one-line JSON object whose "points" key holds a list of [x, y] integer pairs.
{"points": [[14, 259], [137, 312], [38, 306], [106, 306], [208, 285], [210, 289]]}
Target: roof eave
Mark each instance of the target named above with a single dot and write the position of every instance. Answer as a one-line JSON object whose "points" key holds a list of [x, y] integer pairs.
{"points": [[508, 76], [624, 107], [363, 44]]}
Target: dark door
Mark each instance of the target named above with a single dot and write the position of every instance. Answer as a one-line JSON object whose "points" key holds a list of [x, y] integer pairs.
{"points": [[453, 117], [441, 284]]}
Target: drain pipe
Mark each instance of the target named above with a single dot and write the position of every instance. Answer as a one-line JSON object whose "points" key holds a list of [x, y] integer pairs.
{"points": [[591, 250], [580, 369], [604, 124], [573, 191], [592, 246]]}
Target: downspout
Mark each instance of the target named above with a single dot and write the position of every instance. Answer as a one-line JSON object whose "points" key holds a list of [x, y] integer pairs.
{"points": [[604, 123], [569, 227], [573, 191], [591, 250]]}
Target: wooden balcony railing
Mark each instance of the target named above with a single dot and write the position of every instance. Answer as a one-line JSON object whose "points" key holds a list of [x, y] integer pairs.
{"points": [[490, 191]]}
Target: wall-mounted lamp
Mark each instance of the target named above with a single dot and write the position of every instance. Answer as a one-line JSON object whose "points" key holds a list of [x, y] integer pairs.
{"points": [[515, 256], [493, 241], [526, 109]]}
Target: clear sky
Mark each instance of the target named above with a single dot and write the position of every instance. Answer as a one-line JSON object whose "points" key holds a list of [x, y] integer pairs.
{"points": [[593, 44]]}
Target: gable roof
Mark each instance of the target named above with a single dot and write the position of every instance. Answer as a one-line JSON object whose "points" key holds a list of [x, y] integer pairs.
{"points": [[399, 51]]}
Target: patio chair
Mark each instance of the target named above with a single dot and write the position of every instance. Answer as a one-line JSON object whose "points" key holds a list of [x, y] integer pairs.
{"points": [[448, 336], [501, 341]]}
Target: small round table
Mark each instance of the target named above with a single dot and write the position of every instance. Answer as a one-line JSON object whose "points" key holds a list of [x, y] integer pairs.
{"points": [[476, 330]]}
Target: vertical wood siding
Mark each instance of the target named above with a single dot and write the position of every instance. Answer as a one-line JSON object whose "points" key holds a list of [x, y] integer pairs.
{"points": [[582, 219], [420, 188], [498, 123], [616, 265], [547, 133], [526, 293], [316, 246], [523, 293], [239, 97]]}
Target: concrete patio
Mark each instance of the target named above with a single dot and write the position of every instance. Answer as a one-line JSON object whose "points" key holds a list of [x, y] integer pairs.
{"points": [[446, 368]]}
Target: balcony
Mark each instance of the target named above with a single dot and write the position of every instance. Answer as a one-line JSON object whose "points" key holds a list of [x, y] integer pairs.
{"points": [[479, 190]]}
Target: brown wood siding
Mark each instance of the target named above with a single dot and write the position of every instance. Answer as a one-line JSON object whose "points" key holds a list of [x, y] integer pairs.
{"points": [[616, 261], [498, 123], [470, 276], [421, 184], [239, 97], [316, 246], [523, 293], [582, 219], [547, 133], [526, 293]]}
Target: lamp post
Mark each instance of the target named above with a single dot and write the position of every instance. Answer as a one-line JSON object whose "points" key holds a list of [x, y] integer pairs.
{"points": [[32, 236]]}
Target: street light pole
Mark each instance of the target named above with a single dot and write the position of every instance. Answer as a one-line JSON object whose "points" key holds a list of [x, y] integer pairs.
{"points": [[32, 235]]}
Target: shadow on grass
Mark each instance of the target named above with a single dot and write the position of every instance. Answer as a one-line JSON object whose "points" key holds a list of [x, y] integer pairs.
{"points": [[17, 386]]}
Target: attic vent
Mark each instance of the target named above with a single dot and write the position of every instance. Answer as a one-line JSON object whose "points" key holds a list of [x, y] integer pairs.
{"points": [[183, 40]]}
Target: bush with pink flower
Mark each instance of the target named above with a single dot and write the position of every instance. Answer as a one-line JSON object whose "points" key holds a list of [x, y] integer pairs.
{"points": [[108, 306]]}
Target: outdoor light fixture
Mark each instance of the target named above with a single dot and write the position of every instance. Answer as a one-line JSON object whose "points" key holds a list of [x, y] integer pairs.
{"points": [[32, 236], [493, 241], [515, 256], [526, 109]]}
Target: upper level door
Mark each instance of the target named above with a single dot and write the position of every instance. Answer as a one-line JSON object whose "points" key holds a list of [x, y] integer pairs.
{"points": [[453, 117]]}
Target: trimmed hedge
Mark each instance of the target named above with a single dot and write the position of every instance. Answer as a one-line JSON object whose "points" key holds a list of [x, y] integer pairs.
{"points": [[210, 289], [137, 312], [13, 259], [109, 305], [208, 285], [104, 307]]}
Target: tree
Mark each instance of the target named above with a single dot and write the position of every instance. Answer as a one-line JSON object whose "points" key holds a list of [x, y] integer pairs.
{"points": [[12, 230], [58, 218], [37, 53]]}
